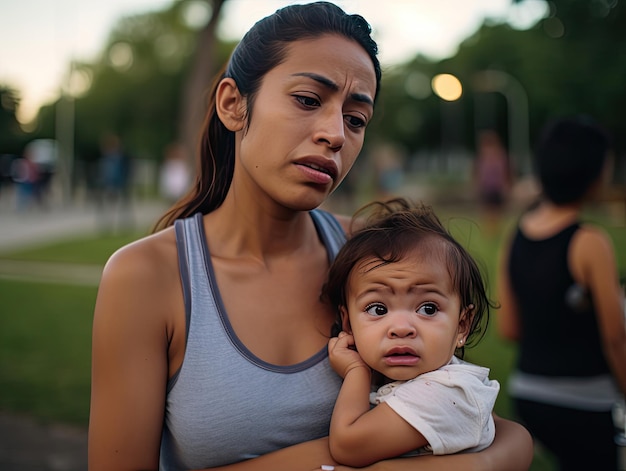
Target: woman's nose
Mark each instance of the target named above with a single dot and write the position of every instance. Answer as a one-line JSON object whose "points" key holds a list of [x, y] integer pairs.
{"points": [[331, 131]]}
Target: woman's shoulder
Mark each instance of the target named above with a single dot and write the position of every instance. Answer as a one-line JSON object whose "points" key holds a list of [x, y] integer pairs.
{"points": [[140, 289], [591, 237], [150, 258], [349, 224], [591, 251]]}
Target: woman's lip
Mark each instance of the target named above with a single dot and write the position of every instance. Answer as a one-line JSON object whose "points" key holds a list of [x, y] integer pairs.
{"points": [[315, 175], [320, 164]]}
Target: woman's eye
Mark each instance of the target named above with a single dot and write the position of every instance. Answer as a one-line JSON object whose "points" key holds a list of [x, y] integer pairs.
{"points": [[307, 101], [355, 122], [376, 309], [429, 309]]}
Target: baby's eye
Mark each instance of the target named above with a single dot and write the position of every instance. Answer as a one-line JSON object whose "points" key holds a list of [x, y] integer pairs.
{"points": [[428, 309], [376, 309]]}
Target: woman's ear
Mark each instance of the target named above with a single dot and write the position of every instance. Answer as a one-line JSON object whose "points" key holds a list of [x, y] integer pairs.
{"points": [[345, 320], [230, 105]]}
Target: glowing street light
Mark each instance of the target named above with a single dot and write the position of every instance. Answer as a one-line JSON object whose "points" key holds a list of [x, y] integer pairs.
{"points": [[447, 87]]}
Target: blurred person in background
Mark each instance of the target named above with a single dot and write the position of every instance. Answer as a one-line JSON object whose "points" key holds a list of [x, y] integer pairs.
{"points": [[43, 153], [175, 175], [209, 336], [492, 178], [25, 174], [561, 301], [114, 176], [388, 165]]}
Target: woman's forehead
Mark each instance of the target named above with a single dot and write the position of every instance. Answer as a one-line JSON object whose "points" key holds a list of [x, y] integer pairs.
{"points": [[341, 59]]}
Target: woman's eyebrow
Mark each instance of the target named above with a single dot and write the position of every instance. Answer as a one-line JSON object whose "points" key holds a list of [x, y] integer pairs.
{"points": [[328, 83]]}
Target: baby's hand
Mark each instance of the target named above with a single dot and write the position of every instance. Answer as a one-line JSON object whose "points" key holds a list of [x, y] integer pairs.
{"points": [[342, 354]]}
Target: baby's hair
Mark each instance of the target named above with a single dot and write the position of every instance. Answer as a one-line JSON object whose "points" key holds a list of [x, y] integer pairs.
{"points": [[388, 231]]}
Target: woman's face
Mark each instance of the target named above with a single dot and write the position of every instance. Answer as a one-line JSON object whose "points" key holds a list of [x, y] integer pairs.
{"points": [[307, 123]]}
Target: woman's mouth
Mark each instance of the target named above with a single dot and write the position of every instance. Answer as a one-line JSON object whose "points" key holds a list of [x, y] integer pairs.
{"points": [[318, 173]]}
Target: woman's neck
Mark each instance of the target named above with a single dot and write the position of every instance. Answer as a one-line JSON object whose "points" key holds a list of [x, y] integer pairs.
{"points": [[237, 229], [549, 218]]}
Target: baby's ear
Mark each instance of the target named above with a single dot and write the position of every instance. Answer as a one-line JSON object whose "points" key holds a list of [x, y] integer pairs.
{"points": [[465, 321], [345, 319]]}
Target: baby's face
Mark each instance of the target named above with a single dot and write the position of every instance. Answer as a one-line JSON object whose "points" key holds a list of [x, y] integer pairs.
{"points": [[404, 315]]}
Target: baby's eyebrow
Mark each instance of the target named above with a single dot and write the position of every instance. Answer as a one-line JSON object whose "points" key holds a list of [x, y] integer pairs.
{"points": [[328, 83]]}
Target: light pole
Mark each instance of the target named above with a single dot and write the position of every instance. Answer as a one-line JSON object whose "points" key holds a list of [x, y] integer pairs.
{"points": [[449, 89], [498, 81], [65, 115]]}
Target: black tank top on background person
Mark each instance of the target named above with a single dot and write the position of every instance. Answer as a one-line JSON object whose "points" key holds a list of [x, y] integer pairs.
{"points": [[558, 337]]}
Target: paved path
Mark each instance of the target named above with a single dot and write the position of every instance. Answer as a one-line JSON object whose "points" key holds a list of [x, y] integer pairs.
{"points": [[38, 226], [25, 443], [28, 445]]}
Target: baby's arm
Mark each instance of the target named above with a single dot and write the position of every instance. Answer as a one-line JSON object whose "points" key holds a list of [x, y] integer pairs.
{"points": [[360, 436]]}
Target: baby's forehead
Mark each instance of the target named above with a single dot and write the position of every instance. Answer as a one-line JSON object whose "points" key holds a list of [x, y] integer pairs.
{"points": [[418, 247], [434, 252]]}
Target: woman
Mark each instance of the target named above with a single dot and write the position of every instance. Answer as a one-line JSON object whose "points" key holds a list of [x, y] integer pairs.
{"points": [[286, 122], [561, 301]]}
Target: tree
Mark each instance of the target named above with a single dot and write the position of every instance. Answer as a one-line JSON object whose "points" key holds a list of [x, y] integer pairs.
{"points": [[12, 138], [203, 68], [573, 61]]}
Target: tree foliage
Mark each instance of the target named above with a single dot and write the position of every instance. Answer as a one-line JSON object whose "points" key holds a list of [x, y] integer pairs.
{"points": [[12, 138], [154, 67], [571, 62], [135, 88]]}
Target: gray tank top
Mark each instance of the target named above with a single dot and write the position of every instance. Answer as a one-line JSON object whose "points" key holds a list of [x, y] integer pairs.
{"points": [[226, 405]]}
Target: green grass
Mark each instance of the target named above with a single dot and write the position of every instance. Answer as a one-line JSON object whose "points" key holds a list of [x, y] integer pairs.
{"points": [[45, 350], [90, 250], [45, 333]]}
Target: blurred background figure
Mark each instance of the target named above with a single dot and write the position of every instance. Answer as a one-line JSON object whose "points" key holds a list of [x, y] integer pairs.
{"points": [[389, 170], [562, 302], [492, 178], [175, 174], [25, 174], [43, 154], [114, 172]]}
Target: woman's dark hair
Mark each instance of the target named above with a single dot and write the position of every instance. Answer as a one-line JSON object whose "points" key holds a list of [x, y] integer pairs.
{"points": [[262, 48], [392, 229], [569, 158]]}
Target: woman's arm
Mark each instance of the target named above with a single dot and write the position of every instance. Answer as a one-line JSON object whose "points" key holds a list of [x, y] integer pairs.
{"points": [[508, 316], [302, 457], [593, 264], [512, 450], [129, 362]]}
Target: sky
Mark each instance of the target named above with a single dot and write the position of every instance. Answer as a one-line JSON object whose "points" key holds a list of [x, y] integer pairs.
{"points": [[39, 38]]}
